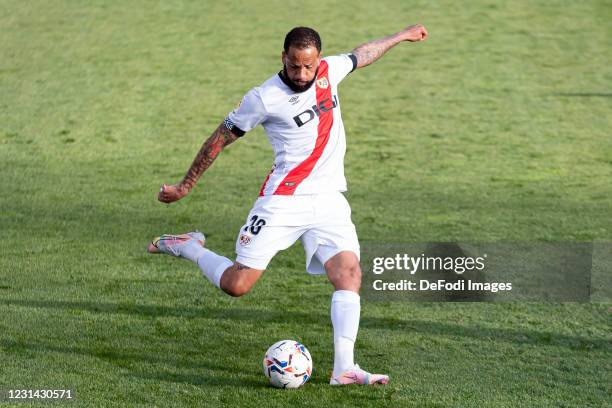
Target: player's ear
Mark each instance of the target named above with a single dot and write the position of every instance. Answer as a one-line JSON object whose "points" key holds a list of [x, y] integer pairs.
{"points": [[283, 56]]}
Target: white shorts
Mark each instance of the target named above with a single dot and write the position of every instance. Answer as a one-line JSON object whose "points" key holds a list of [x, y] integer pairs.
{"points": [[322, 222]]}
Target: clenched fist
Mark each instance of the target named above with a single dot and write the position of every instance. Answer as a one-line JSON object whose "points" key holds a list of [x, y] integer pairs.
{"points": [[414, 33], [169, 193]]}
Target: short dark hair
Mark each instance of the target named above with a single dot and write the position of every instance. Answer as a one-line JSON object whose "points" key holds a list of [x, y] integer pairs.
{"points": [[302, 37]]}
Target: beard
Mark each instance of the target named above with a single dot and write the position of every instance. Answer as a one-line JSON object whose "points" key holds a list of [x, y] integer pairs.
{"points": [[297, 87]]}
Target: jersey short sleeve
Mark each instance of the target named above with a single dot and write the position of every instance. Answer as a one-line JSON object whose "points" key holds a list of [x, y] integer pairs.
{"points": [[341, 65], [250, 113]]}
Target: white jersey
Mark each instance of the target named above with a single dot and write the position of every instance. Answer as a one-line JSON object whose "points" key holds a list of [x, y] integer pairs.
{"points": [[305, 130]]}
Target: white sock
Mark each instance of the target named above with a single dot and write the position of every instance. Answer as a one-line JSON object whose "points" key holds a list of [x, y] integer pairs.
{"points": [[192, 250], [213, 265], [345, 310]]}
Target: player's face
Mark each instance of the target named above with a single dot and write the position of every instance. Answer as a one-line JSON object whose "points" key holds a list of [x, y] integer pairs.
{"points": [[301, 66]]}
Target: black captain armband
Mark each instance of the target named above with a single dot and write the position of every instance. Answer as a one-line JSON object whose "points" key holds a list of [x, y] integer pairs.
{"points": [[233, 128], [354, 59]]}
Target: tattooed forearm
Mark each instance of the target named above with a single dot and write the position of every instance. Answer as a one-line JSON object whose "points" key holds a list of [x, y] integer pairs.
{"points": [[207, 154], [371, 51]]}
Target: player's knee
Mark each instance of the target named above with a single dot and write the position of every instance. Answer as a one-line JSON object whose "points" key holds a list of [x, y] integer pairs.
{"points": [[235, 285], [354, 274], [235, 289], [347, 276]]}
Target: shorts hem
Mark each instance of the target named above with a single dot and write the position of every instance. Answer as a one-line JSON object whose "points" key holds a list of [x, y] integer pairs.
{"points": [[253, 262], [314, 270]]}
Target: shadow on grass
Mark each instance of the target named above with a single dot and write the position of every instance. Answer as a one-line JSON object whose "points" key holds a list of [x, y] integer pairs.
{"points": [[146, 364], [518, 336]]}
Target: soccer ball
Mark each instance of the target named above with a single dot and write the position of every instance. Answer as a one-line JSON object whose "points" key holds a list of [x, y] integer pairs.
{"points": [[287, 364]]}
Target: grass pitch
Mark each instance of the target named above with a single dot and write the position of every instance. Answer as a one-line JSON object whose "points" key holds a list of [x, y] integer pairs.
{"points": [[495, 129]]}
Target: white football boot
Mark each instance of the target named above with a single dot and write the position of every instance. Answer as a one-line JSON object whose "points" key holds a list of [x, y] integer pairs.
{"points": [[173, 244], [356, 375]]}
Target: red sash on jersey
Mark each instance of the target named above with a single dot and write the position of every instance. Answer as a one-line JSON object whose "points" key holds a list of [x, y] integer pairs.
{"points": [[326, 120]]}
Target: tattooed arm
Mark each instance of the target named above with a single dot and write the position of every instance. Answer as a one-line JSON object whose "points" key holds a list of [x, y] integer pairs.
{"points": [[205, 157], [371, 51]]}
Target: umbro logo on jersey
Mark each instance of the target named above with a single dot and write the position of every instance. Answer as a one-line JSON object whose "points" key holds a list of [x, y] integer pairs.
{"points": [[323, 83], [316, 110], [295, 99]]}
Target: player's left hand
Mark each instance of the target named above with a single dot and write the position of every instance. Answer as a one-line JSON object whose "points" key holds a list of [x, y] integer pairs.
{"points": [[169, 193], [413, 33]]}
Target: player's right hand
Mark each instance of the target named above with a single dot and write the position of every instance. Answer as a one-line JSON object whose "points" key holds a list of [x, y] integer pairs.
{"points": [[415, 33], [169, 193]]}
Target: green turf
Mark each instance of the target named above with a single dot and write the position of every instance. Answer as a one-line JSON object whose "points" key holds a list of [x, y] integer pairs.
{"points": [[495, 129]]}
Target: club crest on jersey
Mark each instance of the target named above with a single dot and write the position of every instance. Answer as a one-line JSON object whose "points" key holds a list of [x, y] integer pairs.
{"points": [[322, 83], [244, 240]]}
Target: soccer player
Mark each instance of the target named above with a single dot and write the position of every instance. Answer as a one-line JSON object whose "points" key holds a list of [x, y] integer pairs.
{"points": [[301, 198]]}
